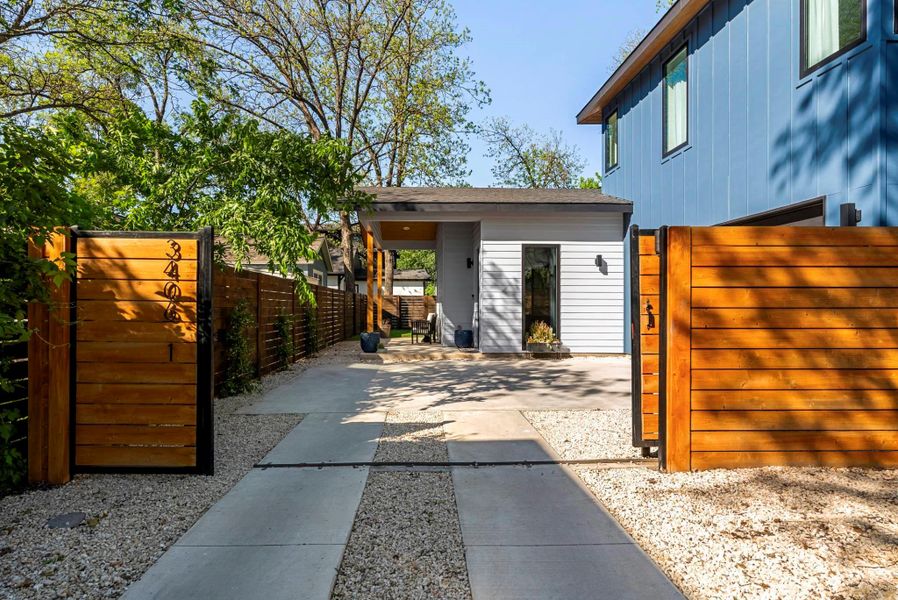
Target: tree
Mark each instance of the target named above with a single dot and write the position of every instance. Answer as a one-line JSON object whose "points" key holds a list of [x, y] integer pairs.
{"points": [[591, 183], [634, 36], [382, 75], [420, 259], [254, 185], [91, 55], [522, 158]]}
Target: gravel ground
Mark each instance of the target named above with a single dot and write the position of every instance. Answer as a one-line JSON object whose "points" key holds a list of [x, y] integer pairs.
{"points": [[413, 436], [406, 540], [132, 519], [586, 434], [762, 533]]}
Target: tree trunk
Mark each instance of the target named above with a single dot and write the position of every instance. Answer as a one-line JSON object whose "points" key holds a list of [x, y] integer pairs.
{"points": [[388, 273], [346, 251]]}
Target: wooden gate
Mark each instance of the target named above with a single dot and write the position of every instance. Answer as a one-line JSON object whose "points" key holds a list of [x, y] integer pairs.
{"points": [[646, 326], [141, 352], [781, 347]]}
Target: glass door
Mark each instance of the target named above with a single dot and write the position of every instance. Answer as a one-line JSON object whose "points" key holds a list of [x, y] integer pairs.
{"points": [[541, 289]]}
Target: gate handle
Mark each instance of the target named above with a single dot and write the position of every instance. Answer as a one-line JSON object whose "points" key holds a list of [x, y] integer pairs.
{"points": [[648, 310]]}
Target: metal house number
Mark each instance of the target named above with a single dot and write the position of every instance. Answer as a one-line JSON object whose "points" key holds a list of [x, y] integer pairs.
{"points": [[172, 291]]}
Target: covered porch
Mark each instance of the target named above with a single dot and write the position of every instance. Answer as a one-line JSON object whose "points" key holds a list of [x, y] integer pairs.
{"points": [[509, 258]]}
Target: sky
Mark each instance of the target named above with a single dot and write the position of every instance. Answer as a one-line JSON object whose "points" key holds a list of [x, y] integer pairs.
{"points": [[543, 60]]}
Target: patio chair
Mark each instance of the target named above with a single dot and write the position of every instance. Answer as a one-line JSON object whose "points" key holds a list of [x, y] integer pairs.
{"points": [[424, 330]]}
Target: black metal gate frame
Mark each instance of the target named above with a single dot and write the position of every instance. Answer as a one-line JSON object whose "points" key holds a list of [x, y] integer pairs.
{"points": [[205, 426]]}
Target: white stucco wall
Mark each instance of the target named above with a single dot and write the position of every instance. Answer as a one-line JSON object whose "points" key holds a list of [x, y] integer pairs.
{"points": [[592, 302]]}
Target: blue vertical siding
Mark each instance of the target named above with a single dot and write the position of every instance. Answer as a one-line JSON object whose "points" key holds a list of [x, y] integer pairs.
{"points": [[761, 136]]}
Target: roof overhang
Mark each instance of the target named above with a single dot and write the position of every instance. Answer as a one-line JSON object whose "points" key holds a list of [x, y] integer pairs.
{"points": [[672, 23], [486, 207]]}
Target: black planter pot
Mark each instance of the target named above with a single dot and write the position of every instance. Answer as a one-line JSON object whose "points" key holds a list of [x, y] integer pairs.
{"points": [[464, 338], [370, 341]]}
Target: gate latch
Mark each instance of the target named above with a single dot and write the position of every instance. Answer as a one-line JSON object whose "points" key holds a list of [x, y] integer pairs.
{"points": [[648, 310]]}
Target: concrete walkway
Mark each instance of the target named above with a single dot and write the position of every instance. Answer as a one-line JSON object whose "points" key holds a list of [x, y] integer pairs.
{"points": [[529, 532]]}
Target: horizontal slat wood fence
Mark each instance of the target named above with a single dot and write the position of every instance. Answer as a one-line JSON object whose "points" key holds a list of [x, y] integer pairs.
{"points": [[402, 310], [782, 347], [137, 354], [336, 316]]}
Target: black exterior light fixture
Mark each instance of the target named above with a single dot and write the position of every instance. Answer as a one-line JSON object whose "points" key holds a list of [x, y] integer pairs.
{"points": [[601, 264], [470, 262]]}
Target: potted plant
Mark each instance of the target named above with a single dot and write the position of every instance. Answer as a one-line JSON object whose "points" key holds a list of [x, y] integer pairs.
{"points": [[541, 339], [370, 340]]}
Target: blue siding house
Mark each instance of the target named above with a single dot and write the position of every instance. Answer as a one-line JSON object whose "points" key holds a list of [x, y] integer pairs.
{"points": [[731, 108], [756, 112]]}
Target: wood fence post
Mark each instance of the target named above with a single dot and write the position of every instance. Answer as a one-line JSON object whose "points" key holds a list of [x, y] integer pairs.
{"points": [[678, 351], [293, 321], [258, 325], [38, 377]]}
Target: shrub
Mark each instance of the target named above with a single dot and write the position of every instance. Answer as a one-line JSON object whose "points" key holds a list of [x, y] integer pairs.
{"points": [[12, 462], [541, 333], [311, 330], [240, 370], [284, 328]]}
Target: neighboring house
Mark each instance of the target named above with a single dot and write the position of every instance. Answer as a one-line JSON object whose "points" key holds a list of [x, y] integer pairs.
{"points": [[335, 278], [315, 270], [409, 282], [761, 111], [509, 257], [765, 112]]}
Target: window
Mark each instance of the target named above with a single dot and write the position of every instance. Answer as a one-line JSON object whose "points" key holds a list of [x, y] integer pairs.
{"points": [[676, 102], [829, 28], [541, 292], [611, 154]]}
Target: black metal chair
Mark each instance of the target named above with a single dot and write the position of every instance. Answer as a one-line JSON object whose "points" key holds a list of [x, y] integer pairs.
{"points": [[424, 331]]}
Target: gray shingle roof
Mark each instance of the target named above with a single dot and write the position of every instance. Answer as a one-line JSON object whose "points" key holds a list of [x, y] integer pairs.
{"points": [[410, 275], [437, 196]]}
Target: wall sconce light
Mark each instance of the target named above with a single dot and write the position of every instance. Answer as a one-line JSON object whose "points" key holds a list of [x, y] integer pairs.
{"points": [[601, 264], [470, 262], [599, 261]]}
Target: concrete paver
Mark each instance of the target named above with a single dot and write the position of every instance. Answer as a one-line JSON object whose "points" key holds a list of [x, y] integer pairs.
{"points": [[283, 506], [615, 572], [241, 572], [515, 506], [494, 436], [330, 438]]}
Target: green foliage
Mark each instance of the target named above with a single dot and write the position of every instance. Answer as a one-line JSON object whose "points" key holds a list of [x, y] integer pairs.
{"points": [[35, 197], [283, 326], [12, 463], [524, 159], [420, 259], [311, 323], [541, 333], [257, 187], [591, 183], [239, 371]]}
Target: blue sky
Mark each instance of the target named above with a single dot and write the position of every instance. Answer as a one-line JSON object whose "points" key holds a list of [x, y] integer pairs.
{"points": [[543, 60]]}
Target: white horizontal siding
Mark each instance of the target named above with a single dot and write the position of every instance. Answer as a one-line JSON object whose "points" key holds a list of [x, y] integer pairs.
{"points": [[592, 301]]}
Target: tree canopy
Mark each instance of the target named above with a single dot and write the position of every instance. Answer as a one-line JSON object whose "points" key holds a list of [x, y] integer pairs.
{"points": [[526, 159]]}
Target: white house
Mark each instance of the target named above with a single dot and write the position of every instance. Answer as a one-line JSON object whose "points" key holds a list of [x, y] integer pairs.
{"points": [[406, 282], [507, 258]]}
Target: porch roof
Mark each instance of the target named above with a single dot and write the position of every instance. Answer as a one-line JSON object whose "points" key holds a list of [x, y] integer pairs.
{"points": [[487, 200]]}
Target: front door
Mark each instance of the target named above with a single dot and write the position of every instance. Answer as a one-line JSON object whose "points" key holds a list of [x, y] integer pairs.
{"points": [[541, 288]]}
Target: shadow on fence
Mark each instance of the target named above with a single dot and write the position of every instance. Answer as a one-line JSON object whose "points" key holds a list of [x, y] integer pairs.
{"points": [[336, 316]]}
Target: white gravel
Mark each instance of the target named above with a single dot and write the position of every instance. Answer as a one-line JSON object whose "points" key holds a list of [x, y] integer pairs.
{"points": [[132, 519], [762, 533], [413, 436], [406, 541], [586, 434]]}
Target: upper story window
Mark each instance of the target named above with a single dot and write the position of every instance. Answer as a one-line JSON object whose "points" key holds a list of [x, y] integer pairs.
{"points": [[675, 111], [829, 28], [611, 140]]}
